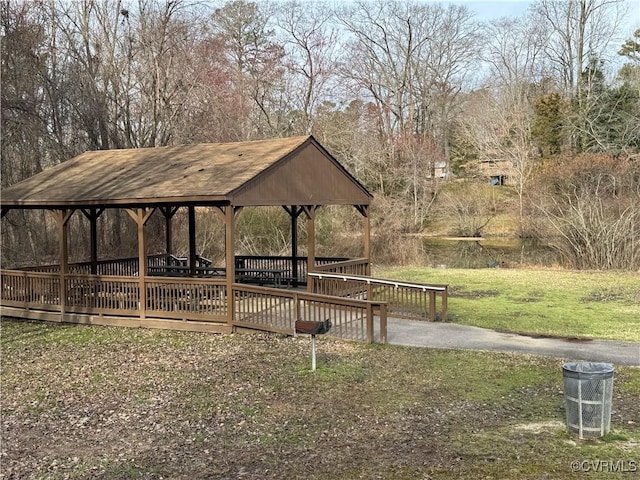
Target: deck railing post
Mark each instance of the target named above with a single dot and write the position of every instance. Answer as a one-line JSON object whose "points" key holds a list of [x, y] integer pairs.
{"points": [[296, 301], [370, 332], [445, 301], [383, 323], [432, 305]]}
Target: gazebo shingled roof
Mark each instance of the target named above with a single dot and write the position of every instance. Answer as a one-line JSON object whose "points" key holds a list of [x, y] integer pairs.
{"points": [[286, 171]]}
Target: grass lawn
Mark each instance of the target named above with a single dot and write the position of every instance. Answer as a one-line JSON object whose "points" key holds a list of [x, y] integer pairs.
{"points": [[84, 402], [541, 301]]}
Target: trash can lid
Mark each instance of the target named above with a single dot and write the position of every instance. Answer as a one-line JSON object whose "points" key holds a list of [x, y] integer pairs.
{"points": [[587, 370]]}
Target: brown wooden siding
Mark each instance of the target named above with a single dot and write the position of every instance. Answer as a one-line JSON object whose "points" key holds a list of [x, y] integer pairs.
{"points": [[307, 178]]}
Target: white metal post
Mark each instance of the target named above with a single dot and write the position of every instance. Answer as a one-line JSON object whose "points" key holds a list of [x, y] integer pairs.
{"points": [[313, 353]]}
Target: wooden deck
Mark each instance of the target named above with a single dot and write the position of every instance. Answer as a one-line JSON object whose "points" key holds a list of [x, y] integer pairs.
{"points": [[356, 305], [201, 304]]}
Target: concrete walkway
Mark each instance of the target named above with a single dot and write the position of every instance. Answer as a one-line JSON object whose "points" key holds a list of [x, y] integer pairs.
{"points": [[452, 336]]}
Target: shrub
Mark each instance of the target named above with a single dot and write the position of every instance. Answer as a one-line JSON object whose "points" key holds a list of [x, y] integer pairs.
{"points": [[590, 208]]}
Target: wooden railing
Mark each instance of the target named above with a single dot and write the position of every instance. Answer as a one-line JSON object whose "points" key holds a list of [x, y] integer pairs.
{"points": [[404, 300], [176, 300], [191, 299], [358, 266], [41, 268], [171, 298], [187, 298], [35, 289], [171, 265], [284, 264], [92, 294], [122, 267], [277, 310], [82, 293]]}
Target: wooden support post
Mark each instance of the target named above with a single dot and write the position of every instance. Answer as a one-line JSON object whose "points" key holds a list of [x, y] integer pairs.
{"points": [[310, 211], [367, 241], [142, 265], [141, 216], [192, 240], [168, 213], [366, 235], [294, 244], [168, 230], [294, 211], [230, 263], [62, 218], [93, 227], [92, 215]]}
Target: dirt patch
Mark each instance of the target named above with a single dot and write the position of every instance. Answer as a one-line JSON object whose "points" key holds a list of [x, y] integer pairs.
{"points": [[626, 295], [543, 335], [539, 427], [462, 293]]}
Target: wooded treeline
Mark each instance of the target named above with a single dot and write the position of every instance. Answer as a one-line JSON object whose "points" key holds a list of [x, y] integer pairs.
{"points": [[412, 96]]}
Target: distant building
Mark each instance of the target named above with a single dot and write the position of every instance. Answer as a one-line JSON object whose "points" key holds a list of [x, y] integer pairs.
{"points": [[497, 172], [441, 169]]}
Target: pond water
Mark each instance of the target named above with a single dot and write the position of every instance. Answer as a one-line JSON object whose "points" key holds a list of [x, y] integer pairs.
{"points": [[447, 252]]}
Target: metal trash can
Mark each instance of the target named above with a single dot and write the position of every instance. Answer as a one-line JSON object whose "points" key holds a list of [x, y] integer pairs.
{"points": [[588, 388]]}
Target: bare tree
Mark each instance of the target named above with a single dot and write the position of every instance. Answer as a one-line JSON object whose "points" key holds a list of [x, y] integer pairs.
{"points": [[579, 32], [412, 60], [255, 66], [130, 67], [591, 211], [498, 119], [311, 41], [31, 120], [446, 71], [514, 50]]}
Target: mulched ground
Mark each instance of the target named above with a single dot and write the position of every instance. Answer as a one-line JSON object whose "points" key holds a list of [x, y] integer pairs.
{"points": [[108, 403]]}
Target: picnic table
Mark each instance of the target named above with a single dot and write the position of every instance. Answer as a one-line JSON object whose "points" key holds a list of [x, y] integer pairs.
{"points": [[184, 271], [260, 275]]}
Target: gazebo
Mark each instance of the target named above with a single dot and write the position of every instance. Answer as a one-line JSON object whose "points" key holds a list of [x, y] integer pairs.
{"points": [[295, 173], [190, 293]]}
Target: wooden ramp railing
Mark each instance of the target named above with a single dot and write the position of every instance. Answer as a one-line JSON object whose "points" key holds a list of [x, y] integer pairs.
{"points": [[277, 310], [356, 266], [405, 300]]}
